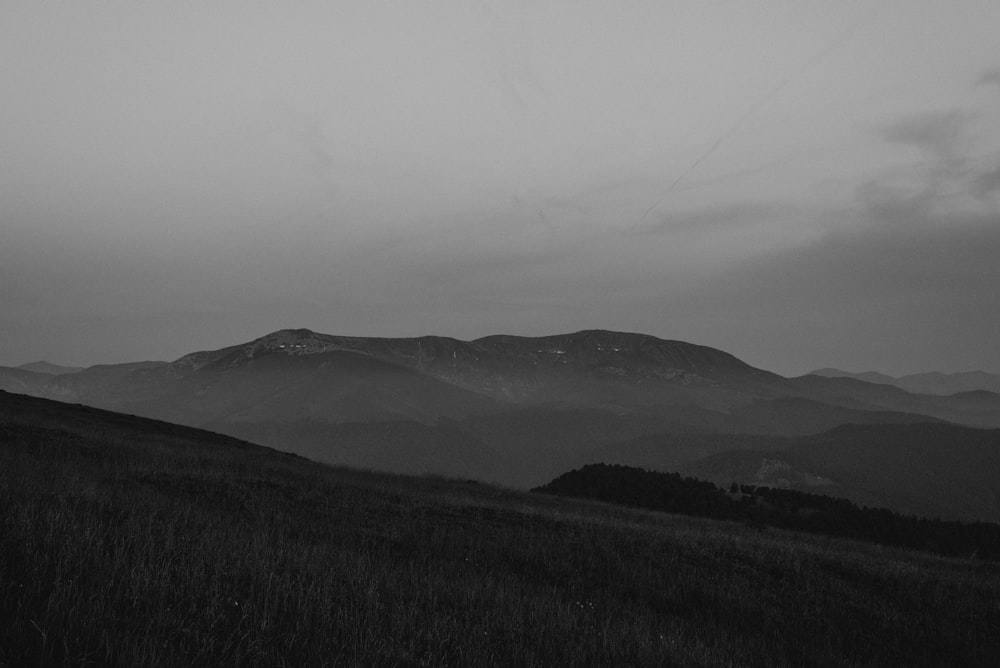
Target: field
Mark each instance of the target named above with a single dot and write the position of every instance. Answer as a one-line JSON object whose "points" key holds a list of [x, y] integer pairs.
{"points": [[130, 542]]}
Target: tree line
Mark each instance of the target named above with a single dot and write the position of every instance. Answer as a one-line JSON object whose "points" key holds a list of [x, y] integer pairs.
{"points": [[782, 508]]}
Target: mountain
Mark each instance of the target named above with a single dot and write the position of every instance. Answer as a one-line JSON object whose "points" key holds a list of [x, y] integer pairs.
{"points": [[506, 409], [950, 383], [980, 409], [52, 369], [866, 376], [933, 382], [933, 470], [22, 381], [303, 390], [104, 384], [577, 369], [428, 378]]}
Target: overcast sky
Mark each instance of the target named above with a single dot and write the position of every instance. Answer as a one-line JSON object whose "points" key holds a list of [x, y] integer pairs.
{"points": [[802, 184]]}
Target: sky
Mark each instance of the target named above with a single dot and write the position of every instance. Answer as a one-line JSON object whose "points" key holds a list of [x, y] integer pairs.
{"points": [[800, 183]]}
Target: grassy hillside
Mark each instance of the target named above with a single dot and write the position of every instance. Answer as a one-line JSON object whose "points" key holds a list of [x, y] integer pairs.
{"points": [[130, 542]]}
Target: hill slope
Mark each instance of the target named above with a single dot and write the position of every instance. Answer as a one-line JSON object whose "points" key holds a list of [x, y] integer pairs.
{"points": [[130, 542], [933, 470]]}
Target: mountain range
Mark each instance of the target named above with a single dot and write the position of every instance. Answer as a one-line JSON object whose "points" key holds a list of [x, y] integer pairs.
{"points": [[49, 368], [933, 382], [520, 410]]}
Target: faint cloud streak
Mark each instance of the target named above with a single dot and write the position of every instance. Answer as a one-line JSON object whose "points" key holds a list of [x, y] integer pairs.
{"points": [[735, 214], [989, 78], [938, 133]]}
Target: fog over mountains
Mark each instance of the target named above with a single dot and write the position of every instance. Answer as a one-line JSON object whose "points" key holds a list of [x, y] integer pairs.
{"points": [[521, 410]]}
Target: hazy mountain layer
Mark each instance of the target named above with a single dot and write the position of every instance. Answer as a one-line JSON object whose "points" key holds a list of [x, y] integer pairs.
{"points": [[385, 378], [933, 382], [978, 409], [934, 470], [53, 369]]}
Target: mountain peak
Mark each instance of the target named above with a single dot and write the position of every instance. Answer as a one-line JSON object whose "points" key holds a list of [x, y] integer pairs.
{"points": [[301, 332], [290, 341]]}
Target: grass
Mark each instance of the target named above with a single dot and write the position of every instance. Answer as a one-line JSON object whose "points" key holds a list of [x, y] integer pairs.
{"points": [[123, 542]]}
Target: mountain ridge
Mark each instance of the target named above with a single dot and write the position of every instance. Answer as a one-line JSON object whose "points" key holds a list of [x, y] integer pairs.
{"points": [[620, 372], [41, 366]]}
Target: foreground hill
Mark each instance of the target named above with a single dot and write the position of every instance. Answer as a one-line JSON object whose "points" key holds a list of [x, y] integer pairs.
{"points": [[128, 542]]}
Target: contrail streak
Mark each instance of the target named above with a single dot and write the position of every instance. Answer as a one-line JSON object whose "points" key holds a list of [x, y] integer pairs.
{"points": [[806, 66]]}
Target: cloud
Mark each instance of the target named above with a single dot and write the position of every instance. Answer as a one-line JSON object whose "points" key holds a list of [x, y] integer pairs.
{"points": [[735, 214], [909, 275], [909, 289], [989, 78], [987, 183], [952, 174], [937, 133]]}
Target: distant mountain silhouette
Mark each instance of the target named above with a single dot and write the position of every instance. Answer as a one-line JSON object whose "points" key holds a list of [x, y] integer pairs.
{"points": [[866, 376], [53, 369], [22, 381], [979, 410], [933, 382]]}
